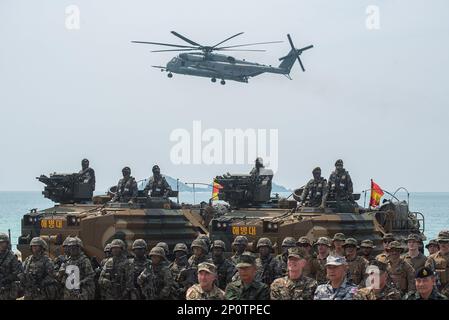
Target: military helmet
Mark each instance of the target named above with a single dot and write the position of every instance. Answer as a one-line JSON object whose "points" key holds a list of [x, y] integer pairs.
{"points": [[158, 251], [317, 169], [73, 242], [413, 237], [432, 242], [181, 247], [218, 244], [304, 240], [350, 242], [37, 241], [164, 246], [443, 236], [339, 237], [139, 244], [259, 160], [4, 237], [118, 243], [246, 260], [288, 242], [126, 169], [66, 241], [264, 242], [155, 167], [388, 236], [367, 244], [339, 162], [199, 243], [394, 245], [85, 160], [205, 238], [240, 240], [323, 240], [107, 247]]}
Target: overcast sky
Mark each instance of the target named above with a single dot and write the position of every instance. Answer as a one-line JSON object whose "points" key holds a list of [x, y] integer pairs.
{"points": [[378, 99]]}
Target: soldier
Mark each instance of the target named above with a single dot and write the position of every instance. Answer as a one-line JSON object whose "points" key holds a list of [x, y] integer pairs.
{"points": [[387, 239], [432, 246], [439, 262], [126, 188], [240, 243], [340, 184], [164, 246], [225, 269], [314, 193], [294, 286], [117, 277], [305, 244], [59, 260], [140, 263], [247, 287], [425, 286], [356, 264], [80, 264], [87, 174], [206, 239], [38, 279], [338, 287], [182, 275], [257, 166], [318, 264], [337, 245], [399, 270], [414, 257], [157, 282], [199, 249], [268, 268], [10, 268], [157, 185], [366, 249], [206, 288], [380, 288], [282, 258]]}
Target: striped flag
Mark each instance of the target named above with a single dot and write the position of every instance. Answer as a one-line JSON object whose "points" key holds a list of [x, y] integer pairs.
{"points": [[215, 189], [376, 194]]}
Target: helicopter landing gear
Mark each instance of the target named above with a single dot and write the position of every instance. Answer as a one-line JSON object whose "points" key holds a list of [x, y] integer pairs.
{"points": [[223, 82], [213, 80], [170, 75]]}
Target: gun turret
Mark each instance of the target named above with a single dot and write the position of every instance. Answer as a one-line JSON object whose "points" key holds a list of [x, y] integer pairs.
{"points": [[66, 188], [246, 190]]}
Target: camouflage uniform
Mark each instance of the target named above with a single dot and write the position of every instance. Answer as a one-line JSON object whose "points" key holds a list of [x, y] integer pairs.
{"points": [[416, 262], [239, 240], [181, 277], [225, 268], [318, 265], [195, 292], [288, 289], [367, 244], [315, 191], [400, 271], [307, 271], [439, 263], [282, 258], [268, 268], [10, 268], [194, 261], [117, 277], [126, 188], [340, 184], [356, 265], [386, 293], [346, 291], [157, 184], [162, 280], [86, 289], [87, 174], [38, 278], [435, 295], [139, 265]]}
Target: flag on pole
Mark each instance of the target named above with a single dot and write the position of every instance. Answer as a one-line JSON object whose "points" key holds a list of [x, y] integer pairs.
{"points": [[376, 194], [215, 189]]}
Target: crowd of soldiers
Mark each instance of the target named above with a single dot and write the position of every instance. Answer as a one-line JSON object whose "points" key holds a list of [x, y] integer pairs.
{"points": [[329, 269]]}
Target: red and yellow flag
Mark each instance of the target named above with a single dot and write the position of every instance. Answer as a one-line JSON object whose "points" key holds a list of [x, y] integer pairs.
{"points": [[216, 187], [376, 194]]}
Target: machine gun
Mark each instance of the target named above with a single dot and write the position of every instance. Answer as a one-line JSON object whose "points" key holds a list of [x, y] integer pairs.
{"points": [[246, 190], [66, 188]]}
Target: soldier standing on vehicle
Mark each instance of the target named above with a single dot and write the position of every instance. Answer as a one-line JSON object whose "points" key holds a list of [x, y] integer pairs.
{"points": [[87, 174], [10, 268], [126, 188], [157, 185], [340, 184], [294, 286], [117, 277], [315, 191], [247, 287], [206, 288]]}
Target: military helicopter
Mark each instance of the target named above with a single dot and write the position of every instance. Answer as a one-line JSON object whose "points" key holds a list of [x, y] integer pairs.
{"points": [[208, 64]]}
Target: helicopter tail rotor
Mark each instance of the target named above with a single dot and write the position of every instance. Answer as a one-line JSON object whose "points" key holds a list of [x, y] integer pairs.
{"points": [[295, 52]]}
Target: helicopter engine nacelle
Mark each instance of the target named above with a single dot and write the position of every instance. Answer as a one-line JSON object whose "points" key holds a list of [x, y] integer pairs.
{"points": [[191, 57]]}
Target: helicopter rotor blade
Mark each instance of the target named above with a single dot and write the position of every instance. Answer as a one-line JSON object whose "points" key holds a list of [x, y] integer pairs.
{"points": [[300, 63], [291, 42], [235, 35], [248, 44], [241, 50], [163, 44], [168, 50], [185, 39]]}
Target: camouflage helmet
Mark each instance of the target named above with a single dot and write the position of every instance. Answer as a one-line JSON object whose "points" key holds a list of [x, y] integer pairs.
{"points": [[317, 169], [339, 237], [443, 236], [164, 246], [118, 243], [367, 244], [264, 242], [4, 237], [139, 244], [296, 252], [350, 242], [388, 236], [432, 242], [107, 248], [37, 241], [158, 251], [395, 245], [199, 243], [339, 162], [413, 237], [323, 240], [73, 242], [288, 242], [218, 244], [240, 240], [66, 241], [303, 241], [181, 247], [205, 238]]}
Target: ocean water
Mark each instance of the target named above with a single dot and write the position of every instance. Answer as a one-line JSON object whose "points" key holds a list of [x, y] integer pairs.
{"points": [[13, 205]]}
